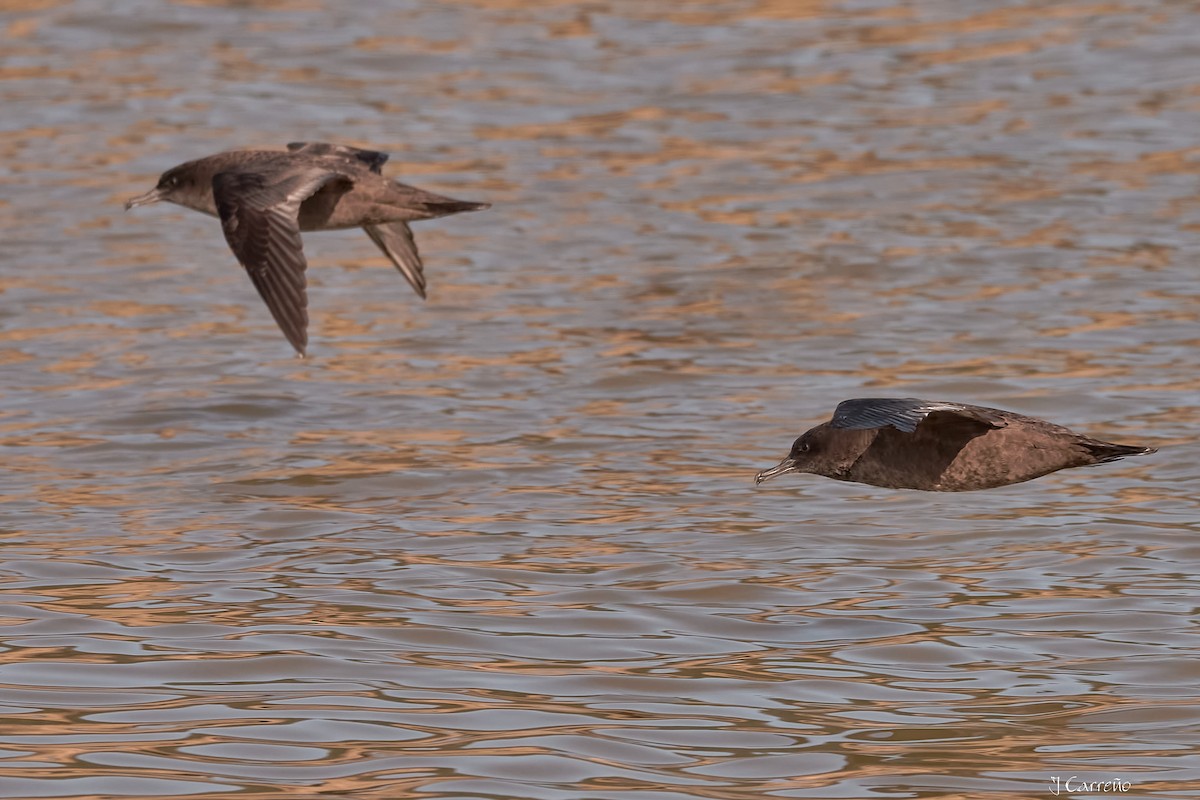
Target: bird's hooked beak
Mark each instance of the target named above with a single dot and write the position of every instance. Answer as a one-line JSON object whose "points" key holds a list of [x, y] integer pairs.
{"points": [[782, 468], [152, 196]]}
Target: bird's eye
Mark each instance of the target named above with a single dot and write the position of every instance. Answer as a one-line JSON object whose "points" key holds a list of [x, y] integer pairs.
{"points": [[804, 447]]}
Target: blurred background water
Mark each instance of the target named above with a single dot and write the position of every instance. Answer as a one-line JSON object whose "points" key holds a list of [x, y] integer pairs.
{"points": [[505, 543]]}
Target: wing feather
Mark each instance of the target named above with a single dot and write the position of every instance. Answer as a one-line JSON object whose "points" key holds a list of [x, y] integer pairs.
{"points": [[258, 209], [905, 414], [397, 243], [372, 158]]}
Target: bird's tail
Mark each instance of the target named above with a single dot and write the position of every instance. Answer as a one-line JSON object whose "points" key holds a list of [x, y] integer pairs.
{"points": [[1107, 451], [444, 206], [427, 205]]}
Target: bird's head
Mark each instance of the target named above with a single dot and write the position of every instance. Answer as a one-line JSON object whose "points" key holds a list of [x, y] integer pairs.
{"points": [[824, 450], [171, 185]]}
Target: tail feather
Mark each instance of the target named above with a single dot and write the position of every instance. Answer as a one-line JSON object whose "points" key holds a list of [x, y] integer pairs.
{"points": [[1107, 451], [447, 206], [421, 202]]}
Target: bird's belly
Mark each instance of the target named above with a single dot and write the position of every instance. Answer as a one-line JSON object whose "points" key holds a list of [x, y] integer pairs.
{"points": [[331, 212], [328, 224], [324, 211]]}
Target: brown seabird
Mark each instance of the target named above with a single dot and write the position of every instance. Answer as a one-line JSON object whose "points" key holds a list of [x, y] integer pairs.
{"points": [[904, 443], [265, 198]]}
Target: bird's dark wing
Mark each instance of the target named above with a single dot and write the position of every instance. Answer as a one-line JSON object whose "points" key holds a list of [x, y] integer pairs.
{"points": [[397, 243], [258, 209], [372, 158], [905, 414]]}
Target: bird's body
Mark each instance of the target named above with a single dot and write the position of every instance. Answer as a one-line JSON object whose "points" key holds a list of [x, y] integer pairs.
{"points": [[265, 198], [934, 446]]}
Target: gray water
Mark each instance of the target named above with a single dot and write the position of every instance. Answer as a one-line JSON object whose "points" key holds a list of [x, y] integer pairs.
{"points": [[505, 543]]}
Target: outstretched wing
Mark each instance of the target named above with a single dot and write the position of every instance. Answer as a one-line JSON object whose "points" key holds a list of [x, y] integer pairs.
{"points": [[397, 243], [372, 158], [905, 414], [258, 209]]}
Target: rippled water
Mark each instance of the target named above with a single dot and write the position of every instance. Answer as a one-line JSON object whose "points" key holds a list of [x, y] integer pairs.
{"points": [[505, 543]]}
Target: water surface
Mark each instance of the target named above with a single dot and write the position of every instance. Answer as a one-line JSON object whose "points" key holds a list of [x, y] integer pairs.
{"points": [[505, 543]]}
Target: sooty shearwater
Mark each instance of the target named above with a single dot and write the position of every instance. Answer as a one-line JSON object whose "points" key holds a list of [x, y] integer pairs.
{"points": [[266, 197], [939, 447]]}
